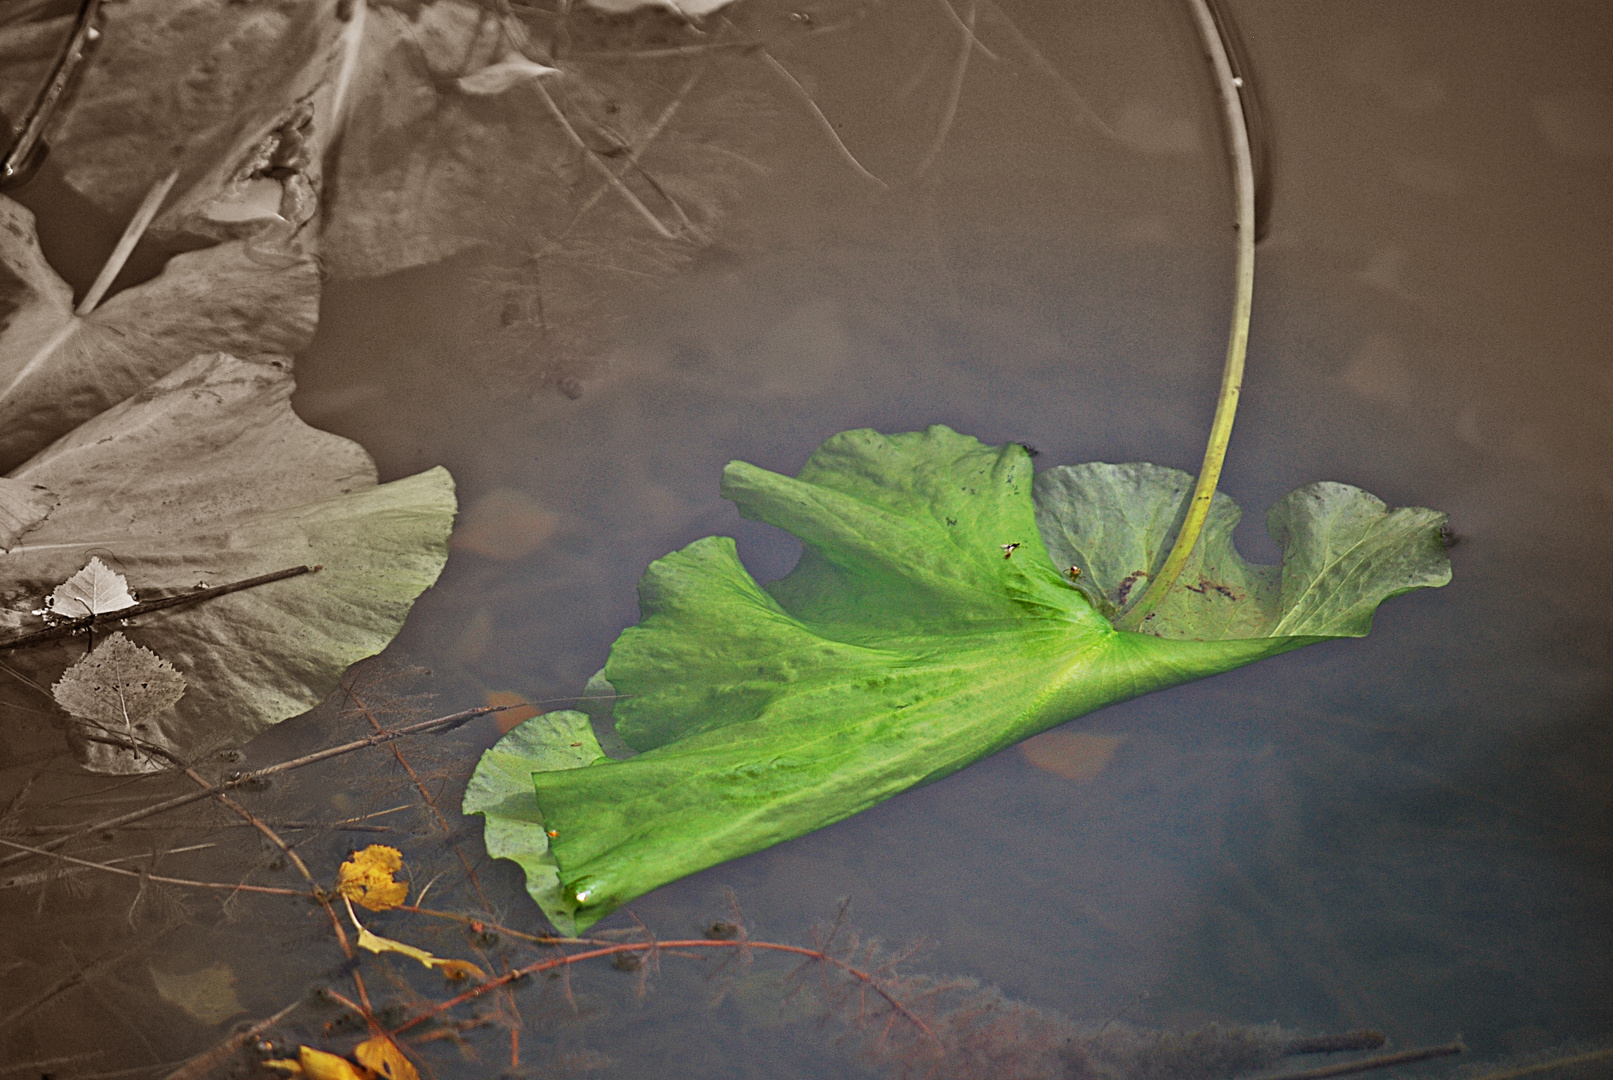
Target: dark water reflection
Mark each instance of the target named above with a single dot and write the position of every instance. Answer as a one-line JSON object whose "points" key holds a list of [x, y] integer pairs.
{"points": [[1412, 832]]}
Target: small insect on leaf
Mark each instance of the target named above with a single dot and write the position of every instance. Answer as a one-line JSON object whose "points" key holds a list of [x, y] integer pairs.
{"points": [[1074, 572], [1009, 549], [382, 1056], [366, 878], [95, 590]]}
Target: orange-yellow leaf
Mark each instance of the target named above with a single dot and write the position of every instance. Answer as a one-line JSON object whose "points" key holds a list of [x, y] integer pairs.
{"points": [[454, 969], [285, 1065], [383, 1057], [366, 878], [1074, 755], [461, 969], [318, 1065], [511, 718]]}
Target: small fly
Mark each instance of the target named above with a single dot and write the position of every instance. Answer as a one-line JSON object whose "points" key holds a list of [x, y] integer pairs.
{"points": [[1009, 549]]}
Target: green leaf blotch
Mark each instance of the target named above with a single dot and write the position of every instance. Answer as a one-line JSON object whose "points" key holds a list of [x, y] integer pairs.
{"points": [[927, 625]]}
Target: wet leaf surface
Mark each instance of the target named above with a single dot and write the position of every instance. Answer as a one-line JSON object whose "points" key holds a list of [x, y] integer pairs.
{"points": [[248, 297], [924, 628], [208, 476]]}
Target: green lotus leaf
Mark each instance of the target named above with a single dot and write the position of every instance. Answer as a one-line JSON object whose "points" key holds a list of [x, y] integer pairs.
{"points": [[928, 625]]}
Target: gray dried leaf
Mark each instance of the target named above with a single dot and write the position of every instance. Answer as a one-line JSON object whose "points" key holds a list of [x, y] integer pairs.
{"points": [[120, 687]]}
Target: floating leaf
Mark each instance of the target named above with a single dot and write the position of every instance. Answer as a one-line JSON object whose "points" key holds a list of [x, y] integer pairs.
{"points": [[366, 878], [501, 790], [207, 994], [94, 590], [169, 84], [925, 627], [207, 476], [509, 72], [58, 369], [120, 688], [381, 1056]]}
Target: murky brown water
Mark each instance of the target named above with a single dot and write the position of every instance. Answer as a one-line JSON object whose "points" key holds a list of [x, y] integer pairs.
{"points": [[1411, 832]]}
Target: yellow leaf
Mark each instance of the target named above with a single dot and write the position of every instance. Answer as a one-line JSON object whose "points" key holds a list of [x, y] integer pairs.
{"points": [[318, 1065], [382, 1055], [285, 1065], [378, 944], [366, 878], [460, 969], [454, 969]]}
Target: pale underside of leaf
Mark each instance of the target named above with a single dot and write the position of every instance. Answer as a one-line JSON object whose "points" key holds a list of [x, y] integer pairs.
{"points": [[208, 477], [97, 589], [924, 628]]}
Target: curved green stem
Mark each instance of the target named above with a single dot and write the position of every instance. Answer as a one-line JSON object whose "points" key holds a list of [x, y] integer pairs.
{"points": [[1232, 377]]}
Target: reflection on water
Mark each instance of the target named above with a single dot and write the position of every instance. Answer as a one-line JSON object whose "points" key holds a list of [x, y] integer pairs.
{"points": [[1409, 832]]}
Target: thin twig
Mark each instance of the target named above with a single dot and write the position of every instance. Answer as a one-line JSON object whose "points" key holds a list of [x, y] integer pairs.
{"points": [[1226, 406], [43, 1067], [1382, 1061], [153, 877], [195, 596], [955, 93], [1333, 1044], [968, 28], [823, 121], [599, 165], [105, 962], [1045, 66], [204, 1064], [643, 144], [41, 876], [438, 725], [50, 92], [867, 979], [1546, 1066]]}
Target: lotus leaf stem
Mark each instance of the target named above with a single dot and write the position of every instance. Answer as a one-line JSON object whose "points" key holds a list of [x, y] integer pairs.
{"points": [[1226, 406]]}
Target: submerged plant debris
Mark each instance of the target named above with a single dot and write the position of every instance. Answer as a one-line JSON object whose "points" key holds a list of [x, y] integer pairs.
{"points": [[926, 626]]}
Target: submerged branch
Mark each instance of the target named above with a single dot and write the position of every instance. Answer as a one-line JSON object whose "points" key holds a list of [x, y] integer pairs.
{"points": [[1226, 406], [425, 727], [1371, 1064], [868, 979], [110, 869]]}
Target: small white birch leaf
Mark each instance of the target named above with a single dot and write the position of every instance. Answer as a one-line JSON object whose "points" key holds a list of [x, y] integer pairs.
{"points": [[119, 686], [511, 71], [22, 506], [95, 590]]}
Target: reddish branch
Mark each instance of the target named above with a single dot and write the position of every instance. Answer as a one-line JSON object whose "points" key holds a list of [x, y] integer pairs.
{"points": [[425, 727], [868, 980]]}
